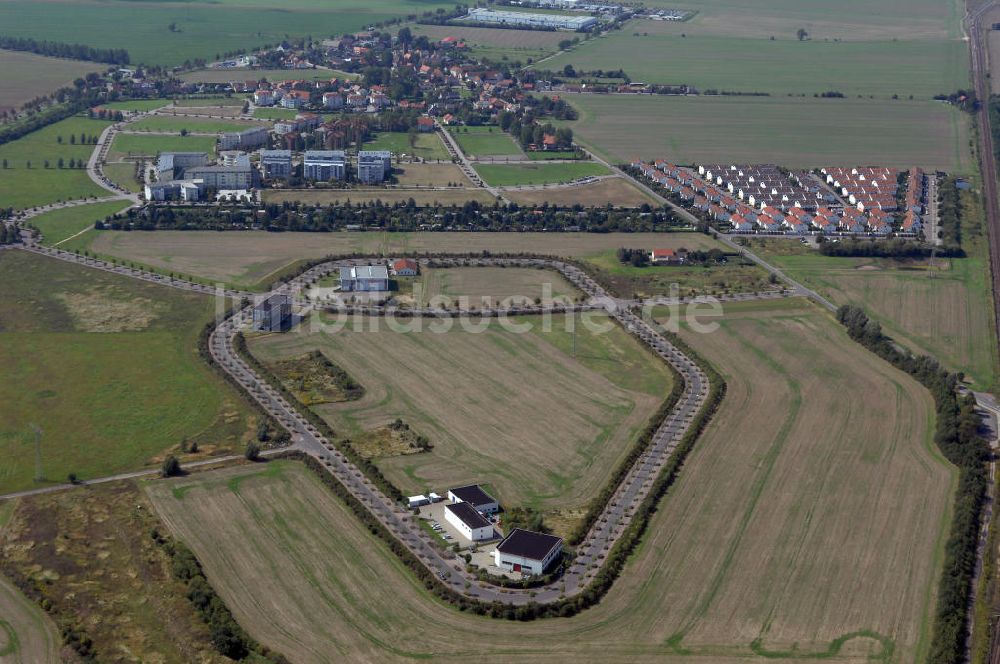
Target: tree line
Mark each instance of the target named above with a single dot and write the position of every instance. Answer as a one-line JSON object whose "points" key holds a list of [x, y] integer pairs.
{"points": [[115, 56], [956, 435]]}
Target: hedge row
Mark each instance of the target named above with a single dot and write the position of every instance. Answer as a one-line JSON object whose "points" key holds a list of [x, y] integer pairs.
{"points": [[956, 436]]}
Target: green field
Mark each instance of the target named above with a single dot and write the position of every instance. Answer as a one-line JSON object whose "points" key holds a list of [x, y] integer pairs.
{"points": [[59, 225], [195, 125], [788, 131], [136, 105], [793, 532], [922, 68], [509, 175], [427, 146], [542, 427], [108, 368], [26, 76], [275, 113], [202, 30], [122, 173], [136, 144], [485, 141], [21, 187], [202, 102], [272, 75]]}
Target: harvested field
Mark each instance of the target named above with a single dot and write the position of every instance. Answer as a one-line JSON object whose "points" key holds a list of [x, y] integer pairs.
{"points": [[252, 257], [817, 532], [543, 428], [430, 175], [794, 132], [448, 196], [108, 367], [486, 286], [27, 635], [616, 191], [26, 76], [89, 554]]}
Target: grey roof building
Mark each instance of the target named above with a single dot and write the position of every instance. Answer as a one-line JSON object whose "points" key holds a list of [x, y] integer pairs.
{"points": [[276, 163], [324, 165]]}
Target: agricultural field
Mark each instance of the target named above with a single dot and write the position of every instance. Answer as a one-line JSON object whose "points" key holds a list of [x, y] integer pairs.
{"points": [[487, 286], [685, 280], [109, 368], [797, 133], [785, 65], [23, 187], [272, 75], [59, 225], [790, 553], [545, 429], [250, 258], [137, 105], [478, 142], [537, 173], [203, 102], [122, 173], [614, 191], [193, 125], [268, 113], [89, 556], [27, 76], [497, 43], [126, 145], [425, 146], [430, 175], [27, 635], [201, 30], [454, 196]]}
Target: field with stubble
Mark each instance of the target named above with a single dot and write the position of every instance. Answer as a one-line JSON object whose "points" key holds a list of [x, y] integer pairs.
{"points": [[513, 409], [807, 523]]}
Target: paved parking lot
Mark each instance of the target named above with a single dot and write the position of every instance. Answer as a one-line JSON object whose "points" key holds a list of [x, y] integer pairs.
{"points": [[435, 514]]}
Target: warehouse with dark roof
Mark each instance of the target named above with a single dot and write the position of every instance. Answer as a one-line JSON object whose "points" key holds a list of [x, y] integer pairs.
{"points": [[475, 496], [527, 552]]}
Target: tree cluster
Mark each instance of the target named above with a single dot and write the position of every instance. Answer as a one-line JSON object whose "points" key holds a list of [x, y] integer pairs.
{"points": [[115, 56]]}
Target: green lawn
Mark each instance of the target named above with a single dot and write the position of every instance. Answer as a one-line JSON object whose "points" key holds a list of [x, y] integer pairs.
{"points": [[275, 113], [136, 104], [21, 187], [272, 75], [549, 156], [210, 101], [201, 30], [485, 141], [58, 225], [505, 175], [123, 174], [427, 146], [177, 123], [126, 144], [792, 132], [108, 368]]}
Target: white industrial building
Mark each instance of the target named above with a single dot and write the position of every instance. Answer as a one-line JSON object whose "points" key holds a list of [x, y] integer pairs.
{"points": [[364, 278], [470, 523], [476, 497], [527, 552], [515, 19]]}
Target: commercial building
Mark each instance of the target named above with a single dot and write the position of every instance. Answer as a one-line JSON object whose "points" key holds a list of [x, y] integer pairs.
{"points": [[172, 190], [474, 495], [276, 163], [516, 19], [473, 525], [324, 165], [233, 172], [527, 552], [374, 165], [248, 139], [273, 314], [365, 278]]}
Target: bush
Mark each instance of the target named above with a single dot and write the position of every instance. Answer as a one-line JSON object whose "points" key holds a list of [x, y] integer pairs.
{"points": [[171, 467]]}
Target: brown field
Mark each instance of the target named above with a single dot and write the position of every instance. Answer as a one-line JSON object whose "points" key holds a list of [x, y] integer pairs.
{"points": [[26, 76], [27, 635], [808, 512], [616, 191], [89, 554], [431, 175], [250, 258], [517, 411], [483, 286], [335, 196]]}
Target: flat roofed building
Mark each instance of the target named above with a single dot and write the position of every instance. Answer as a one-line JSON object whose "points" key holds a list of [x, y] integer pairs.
{"points": [[276, 163], [473, 525], [248, 139], [171, 165], [515, 19], [273, 314], [527, 552], [475, 496], [324, 165], [374, 165], [234, 172], [364, 278]]}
